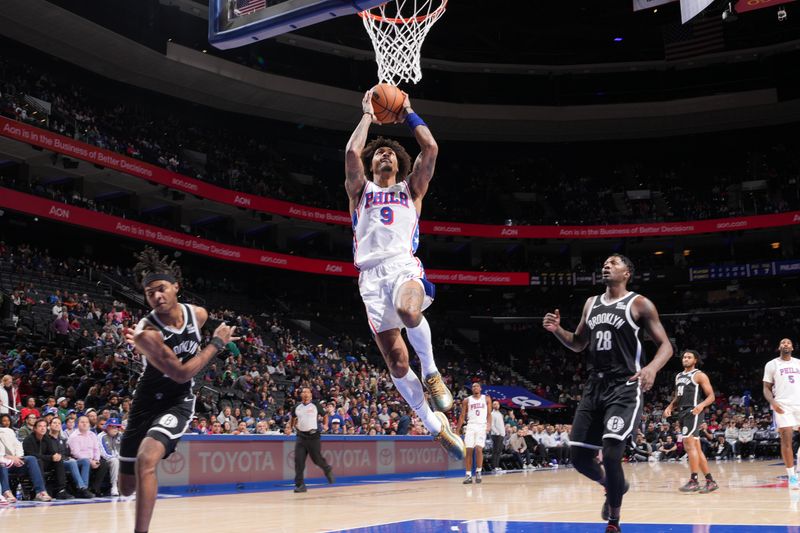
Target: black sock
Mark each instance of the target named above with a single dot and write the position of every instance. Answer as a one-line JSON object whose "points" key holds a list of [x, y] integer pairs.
{"points": [[708, 477], [694, 476], [137, 531], [613, 521]]}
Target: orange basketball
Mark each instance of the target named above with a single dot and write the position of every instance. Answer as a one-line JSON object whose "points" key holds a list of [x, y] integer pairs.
{"points": [[387, 102]]}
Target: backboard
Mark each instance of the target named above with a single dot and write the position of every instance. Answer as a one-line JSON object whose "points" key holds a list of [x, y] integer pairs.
{"points": [[234, 23]]}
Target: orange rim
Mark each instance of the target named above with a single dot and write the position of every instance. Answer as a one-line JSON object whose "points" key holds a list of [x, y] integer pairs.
{"points": [[400, 20]]}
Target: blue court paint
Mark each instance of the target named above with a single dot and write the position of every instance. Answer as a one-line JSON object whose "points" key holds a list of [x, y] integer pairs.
{"points": [[499, 526]]}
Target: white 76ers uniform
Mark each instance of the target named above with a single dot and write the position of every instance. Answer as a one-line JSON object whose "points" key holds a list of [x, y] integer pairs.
{"points": [[785, 379], [385, 238], [475, 434]]}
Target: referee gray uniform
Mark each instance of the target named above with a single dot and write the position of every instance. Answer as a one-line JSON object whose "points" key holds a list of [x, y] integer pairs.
{"points": [[308, 442]]}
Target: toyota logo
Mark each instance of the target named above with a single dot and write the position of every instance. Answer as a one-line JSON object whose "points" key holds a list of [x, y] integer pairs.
{"points": [[385, 457], [174, 464]]}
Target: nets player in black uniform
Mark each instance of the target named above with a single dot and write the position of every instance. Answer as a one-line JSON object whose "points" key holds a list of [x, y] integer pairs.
{"points": [[611, 328], [693, 393], [169, 340]]}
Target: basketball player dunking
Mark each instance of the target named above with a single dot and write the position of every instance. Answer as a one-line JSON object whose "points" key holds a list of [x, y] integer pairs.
{"points": [[782, 391], [693, 393], [478, 411], [610, 327], [385, 203], [169, 340]]}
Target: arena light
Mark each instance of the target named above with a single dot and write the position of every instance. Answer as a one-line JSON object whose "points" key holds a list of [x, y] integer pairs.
{"points": [[659, 252], [617, 39], [687, 253], [775, 245]]}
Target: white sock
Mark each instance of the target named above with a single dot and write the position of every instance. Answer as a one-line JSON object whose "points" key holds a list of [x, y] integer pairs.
{"points": [[410, 387], [478, 470], [790, 471], [420, 339], [468, 473]]}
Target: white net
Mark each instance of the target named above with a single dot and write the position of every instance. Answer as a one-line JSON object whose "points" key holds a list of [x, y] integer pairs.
{"points": [[397, 30]]}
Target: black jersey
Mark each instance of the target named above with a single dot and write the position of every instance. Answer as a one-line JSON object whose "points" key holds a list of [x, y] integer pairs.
{"points": [[615, 341], [689, 393], [185, 343]]}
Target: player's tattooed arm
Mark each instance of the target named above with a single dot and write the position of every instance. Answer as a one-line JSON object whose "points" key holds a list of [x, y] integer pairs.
{"points": [[422, 172], [355, 180]]}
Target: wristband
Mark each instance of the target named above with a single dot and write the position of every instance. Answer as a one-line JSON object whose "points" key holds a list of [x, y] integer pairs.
{"points": [[218, 343], [413, 120]]}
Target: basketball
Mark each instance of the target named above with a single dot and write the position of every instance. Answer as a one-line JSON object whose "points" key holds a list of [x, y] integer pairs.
{"points": [[387, 101]]}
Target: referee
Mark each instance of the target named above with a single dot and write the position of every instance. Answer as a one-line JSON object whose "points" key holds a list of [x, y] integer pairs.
{"points": [[304, 421]]}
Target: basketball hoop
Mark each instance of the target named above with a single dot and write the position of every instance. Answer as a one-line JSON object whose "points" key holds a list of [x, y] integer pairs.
{"points": [[397, 30]]}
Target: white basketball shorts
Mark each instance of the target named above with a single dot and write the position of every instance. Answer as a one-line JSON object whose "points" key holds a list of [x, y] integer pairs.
{"points": [[790, 416], [475, 435], [380, 288]]}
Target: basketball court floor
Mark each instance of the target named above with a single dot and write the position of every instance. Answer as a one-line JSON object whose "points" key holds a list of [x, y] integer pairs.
{"points": [[753, 497]]}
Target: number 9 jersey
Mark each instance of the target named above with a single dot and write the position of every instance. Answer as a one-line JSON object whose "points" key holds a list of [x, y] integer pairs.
{"points": [[385, 238], [385, 225]]}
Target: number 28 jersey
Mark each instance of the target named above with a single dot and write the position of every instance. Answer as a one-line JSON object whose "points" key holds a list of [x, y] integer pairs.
{"points": [[615, 341], [385, 225]]}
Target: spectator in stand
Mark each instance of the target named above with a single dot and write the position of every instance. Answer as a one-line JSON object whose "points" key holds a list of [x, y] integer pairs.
{"points": [[706, 439], [78, 470], [722, 449], [110, 441], [16, 462], [5, 397], [30, 408], [27, 427], [83, 444], [61, 329], [747, 446], [668, 451], [642, 450], [45, 449]]}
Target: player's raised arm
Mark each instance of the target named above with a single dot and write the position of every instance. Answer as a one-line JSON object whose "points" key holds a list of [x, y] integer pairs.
{"points": [[424, 165], [355, 179], [150, 343], [648, 316], [577, 341]]}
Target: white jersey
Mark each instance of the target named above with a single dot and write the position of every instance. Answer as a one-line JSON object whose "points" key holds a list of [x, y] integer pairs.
{"points": [[476, 411], [785, 379], [385, 225]]}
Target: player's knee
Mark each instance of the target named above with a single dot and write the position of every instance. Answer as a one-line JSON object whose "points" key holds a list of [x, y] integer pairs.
{"points": [[397, 368], [411, 319], [613, 451], [581, 457]]}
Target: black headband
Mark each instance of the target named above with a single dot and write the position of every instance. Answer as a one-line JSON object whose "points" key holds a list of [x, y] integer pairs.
{"points": [[158, 276]]}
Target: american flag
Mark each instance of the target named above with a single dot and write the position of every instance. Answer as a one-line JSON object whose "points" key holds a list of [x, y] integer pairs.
{"points": [[245, 7], [697, 37]]}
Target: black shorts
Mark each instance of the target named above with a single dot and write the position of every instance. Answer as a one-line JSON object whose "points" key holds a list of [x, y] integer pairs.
{"points": [[166, 422], [609, 409], [690, 424]]}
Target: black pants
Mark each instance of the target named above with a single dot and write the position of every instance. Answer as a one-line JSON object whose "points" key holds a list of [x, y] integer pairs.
{"points": [[497, 450], [307, 444], [57, 467], [98, 477]]}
